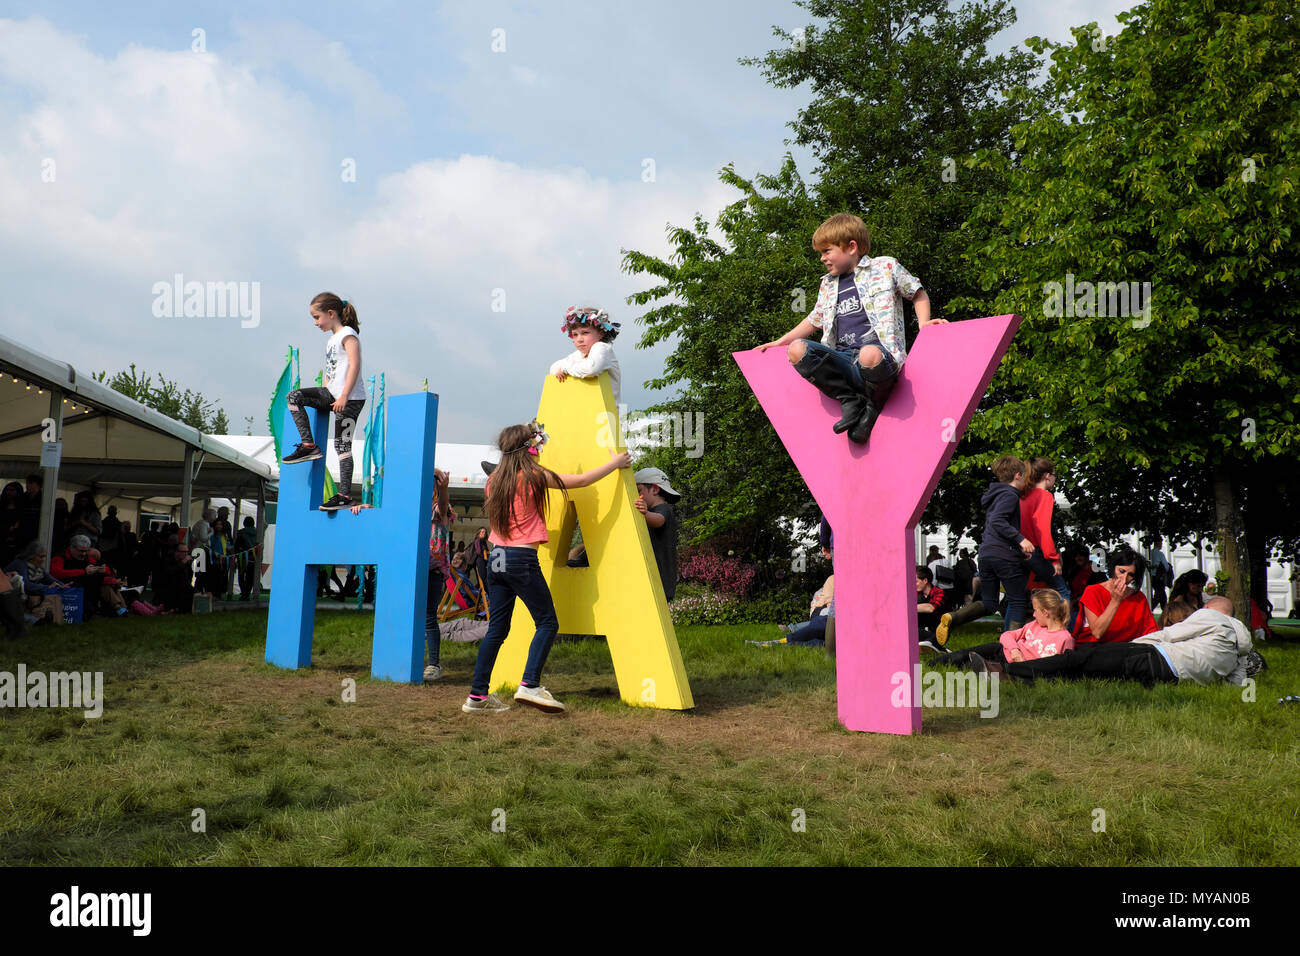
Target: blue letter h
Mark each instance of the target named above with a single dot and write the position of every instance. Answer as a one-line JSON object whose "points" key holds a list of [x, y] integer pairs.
{"points": [[394, 537]]}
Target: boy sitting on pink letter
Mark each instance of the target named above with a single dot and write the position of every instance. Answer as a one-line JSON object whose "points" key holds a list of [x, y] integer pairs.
{"points": [[859, 313]]}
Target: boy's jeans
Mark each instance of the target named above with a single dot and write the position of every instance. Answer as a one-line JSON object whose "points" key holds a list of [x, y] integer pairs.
{"points": [[1012, 574], [522, 578], [846, 358], [1044, 571]]}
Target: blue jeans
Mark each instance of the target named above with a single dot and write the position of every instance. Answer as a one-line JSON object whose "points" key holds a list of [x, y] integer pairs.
{"points": [[1012, 574], [813, 632], [432, 636], [522, 578], [1044, 571], [846, 357]]}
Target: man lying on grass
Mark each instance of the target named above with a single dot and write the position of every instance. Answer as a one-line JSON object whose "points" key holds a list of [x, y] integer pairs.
{"points": [[1209, 646]]}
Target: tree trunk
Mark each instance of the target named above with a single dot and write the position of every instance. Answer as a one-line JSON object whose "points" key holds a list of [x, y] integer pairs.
{"points": [[1254, 516], [1234, 558]]}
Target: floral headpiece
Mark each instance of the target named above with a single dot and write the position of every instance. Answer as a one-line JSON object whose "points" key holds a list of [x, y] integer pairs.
{"points": [[536, 442], [590, 316]]}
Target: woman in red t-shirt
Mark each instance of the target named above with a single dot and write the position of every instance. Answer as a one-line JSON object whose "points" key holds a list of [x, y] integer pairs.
{"points": [[1116, 610]]}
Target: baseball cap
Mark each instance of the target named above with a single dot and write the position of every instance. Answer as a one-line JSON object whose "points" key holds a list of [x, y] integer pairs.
{"points": [[655, 476]]}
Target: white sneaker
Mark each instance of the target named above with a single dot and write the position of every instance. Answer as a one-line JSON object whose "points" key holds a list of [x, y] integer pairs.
{"points": [[432, 672], [927, 649], [491, 704], [540, 698]]}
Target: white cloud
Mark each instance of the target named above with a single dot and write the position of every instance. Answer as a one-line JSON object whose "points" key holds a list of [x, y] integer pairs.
{"points": [[211, 166]]}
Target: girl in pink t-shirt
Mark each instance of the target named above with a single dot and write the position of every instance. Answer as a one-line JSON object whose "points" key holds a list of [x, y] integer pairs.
{"points": [[1044, 636], [516, 509]]}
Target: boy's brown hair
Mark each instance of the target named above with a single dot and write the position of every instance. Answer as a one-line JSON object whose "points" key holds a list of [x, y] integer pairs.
{"points": [[840, 230], [1007, 467]]}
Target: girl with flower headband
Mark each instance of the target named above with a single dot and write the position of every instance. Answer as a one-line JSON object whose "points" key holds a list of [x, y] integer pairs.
{"points": [[516, 508], [592, 333], [344, 392]]}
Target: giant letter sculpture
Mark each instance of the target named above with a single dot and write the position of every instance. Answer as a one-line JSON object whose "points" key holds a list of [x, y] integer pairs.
{"points": [[873, 496], [620, 594], [395, 537]]}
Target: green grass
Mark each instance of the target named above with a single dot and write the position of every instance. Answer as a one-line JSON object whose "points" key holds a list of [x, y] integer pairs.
{"points": [[288, 773]]}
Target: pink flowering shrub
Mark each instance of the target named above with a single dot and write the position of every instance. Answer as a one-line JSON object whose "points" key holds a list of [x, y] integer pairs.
{"points": [[729, 576]]}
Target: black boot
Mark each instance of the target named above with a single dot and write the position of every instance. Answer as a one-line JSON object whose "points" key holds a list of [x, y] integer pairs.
{"points": [[861, 430], [831, 380]]}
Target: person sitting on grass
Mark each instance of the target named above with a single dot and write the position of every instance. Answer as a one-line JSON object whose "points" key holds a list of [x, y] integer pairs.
{"points": [[812, 633], [1116, 610], [1209, 646], [931, 604], [79, 566], [1044, 636], [173, 583], [1190, 586], [40, 587]]}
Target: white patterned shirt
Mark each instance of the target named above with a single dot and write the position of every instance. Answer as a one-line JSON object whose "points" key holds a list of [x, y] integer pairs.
{"points": [[882, 285]]}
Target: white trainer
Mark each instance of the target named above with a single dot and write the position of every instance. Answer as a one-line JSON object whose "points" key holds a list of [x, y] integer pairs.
{"points": [[432, 672], [491, 704], [540, 698]]}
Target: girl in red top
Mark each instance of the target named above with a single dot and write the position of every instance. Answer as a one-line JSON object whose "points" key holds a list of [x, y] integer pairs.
{"points": [[1116, 610], [516, 509], [1036, 504]]}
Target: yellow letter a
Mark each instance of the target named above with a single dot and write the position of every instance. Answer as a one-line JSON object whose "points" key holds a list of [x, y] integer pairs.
{"points": [[620, 594]]}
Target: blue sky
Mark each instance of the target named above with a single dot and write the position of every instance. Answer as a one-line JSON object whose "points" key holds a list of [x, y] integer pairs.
{"points": [[519, 169]]}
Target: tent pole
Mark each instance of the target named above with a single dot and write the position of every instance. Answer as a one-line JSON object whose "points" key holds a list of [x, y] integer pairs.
{"points": [[50, 480], [187, 488], [261, 538]]}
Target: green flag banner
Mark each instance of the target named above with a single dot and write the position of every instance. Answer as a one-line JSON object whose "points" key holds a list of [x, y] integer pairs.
{"points": [[280, 400]]}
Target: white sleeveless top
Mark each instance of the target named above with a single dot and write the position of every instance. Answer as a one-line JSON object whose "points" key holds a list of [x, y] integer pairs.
{"points": [[336, 365]]}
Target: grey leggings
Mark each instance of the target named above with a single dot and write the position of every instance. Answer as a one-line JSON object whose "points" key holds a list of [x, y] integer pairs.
{"points": [[344, 425]]}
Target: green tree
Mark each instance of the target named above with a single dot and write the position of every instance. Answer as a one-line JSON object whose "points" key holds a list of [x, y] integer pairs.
{"points": [[167, 397], [899, 95], [1164, 155]]}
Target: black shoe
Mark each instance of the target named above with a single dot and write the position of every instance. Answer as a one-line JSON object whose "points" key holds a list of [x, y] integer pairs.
{"points": [[861, 430], [830, 380], [337, 503], [874, 402], [302, 453], [852, 407]]}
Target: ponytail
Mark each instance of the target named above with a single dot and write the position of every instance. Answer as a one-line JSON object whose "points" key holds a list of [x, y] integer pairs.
{"points": [[347, 312]]}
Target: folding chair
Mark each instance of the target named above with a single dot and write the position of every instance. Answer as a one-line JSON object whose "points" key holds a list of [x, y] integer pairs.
{"points": [[463, 596]]}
